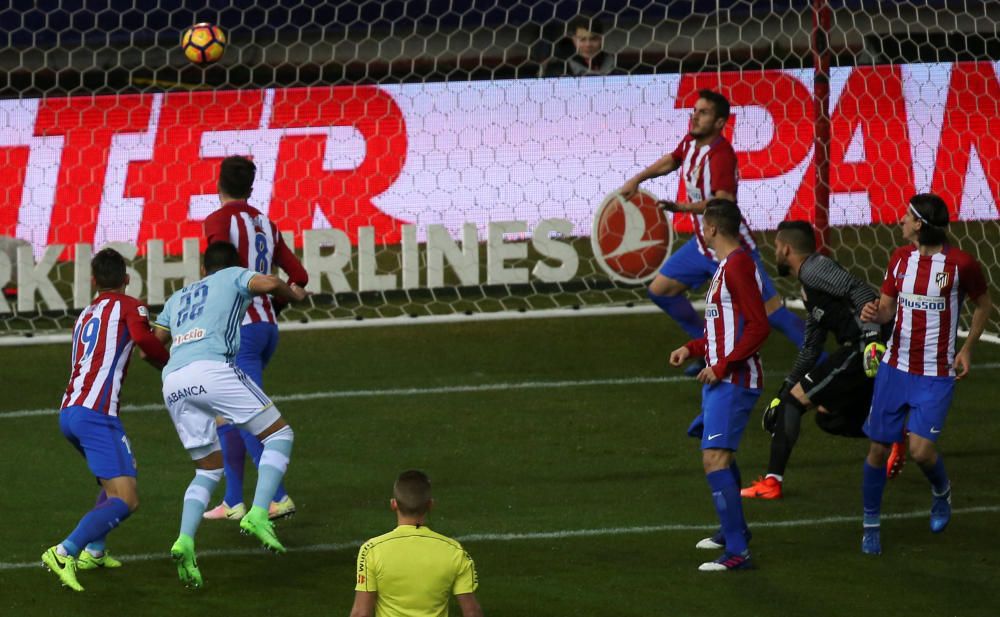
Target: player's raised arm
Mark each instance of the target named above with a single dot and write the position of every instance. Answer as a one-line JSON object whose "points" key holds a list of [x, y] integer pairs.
{"points": [[663, 166], [262, 284]]}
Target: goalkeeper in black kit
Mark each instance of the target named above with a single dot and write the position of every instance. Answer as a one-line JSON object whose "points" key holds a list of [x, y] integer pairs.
{"points": [[839, 386]]}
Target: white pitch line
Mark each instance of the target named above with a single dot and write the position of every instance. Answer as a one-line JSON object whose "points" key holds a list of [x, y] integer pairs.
{"points": [[536, 535], [464, 389], [395, 392]]}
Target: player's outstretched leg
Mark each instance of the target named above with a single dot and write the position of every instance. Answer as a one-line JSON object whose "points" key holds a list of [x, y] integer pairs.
{"points": [[182, 552], [273, 464], [281, 505], [233, 455], [63, 565], [196, 499], [95, 555]]}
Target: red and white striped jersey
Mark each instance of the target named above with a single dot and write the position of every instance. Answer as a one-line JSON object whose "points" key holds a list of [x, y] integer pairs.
{"points": [[735, 322], [704, 171], [929, 290], [260, 245], [102, 346]]}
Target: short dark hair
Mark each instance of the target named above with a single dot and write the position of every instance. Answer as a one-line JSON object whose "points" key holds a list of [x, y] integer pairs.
{"points": [[108, 269], [412, 492], [219, 256], [590, 24], [932, 213], [725, 215], [236, 176], [799, 235], [720, 102]]}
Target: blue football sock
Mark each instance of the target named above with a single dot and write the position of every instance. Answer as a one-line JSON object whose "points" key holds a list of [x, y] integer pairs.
{"points": [[938, 476], [735, 469], [233, 453], [273, 463], [196, 498], [97, 546], [789, 324], [255, 449], [872, 485], [96, 524], [729, 506], [680, 310]]}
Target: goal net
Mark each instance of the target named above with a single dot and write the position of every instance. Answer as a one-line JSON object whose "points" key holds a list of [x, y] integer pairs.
{"points": [[432, 162]]}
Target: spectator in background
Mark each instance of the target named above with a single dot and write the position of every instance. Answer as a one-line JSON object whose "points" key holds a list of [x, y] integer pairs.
{"points": [[587, 56]]}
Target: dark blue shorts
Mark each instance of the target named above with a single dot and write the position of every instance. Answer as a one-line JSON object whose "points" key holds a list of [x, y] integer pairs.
{"points": [[920, 401], [725, 410], [688, 266], [257, 344], [101, 440]]}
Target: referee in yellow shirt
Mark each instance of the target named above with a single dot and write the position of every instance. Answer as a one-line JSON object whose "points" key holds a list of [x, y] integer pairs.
{"points": [[411, 571]]}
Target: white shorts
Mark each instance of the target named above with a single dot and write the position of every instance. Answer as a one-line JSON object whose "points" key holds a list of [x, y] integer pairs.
{"points": [[199, 392]]}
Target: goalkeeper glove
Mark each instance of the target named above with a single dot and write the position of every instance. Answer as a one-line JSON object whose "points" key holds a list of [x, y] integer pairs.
{"points": [[769, 420], [872, 357]]}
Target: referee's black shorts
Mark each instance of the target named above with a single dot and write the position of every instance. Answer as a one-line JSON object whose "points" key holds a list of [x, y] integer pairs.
{"points": [[840, 385]]}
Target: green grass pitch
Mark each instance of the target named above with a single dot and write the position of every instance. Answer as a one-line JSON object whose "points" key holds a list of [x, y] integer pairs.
{"points": [[586, 442]]}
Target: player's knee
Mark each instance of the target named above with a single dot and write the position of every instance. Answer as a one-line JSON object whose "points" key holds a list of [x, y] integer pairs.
{"points": [[878, 454], [715, 459], [132, 501], [923, 453], [285, 433]]}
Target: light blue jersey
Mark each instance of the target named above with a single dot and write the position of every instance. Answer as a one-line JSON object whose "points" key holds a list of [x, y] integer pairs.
{"points": [[204, 318]]}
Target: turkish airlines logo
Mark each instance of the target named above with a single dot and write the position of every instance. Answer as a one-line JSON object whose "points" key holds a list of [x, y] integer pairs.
{"points": [[631, 238]]}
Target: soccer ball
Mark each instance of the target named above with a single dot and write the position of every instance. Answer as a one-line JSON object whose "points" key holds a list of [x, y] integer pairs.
{"points": [[203, 43]]}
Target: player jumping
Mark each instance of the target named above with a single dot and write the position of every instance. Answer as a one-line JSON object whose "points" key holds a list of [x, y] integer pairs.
{"points": [[735, 329], [260, 245], [103, 339], [707, 163], [201, 383], [838, 386], [923, 289]]}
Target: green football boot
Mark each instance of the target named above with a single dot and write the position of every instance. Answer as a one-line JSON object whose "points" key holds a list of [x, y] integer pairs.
{"points": [[256, 523], [182, 552], [86, 561], [63, 567]]}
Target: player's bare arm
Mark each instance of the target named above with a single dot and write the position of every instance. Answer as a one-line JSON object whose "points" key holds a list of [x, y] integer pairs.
{"points": [[980, 316], [469, 605], [881, 312], [679, 355], [262, 284], [661, 167], [364, 603]]}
